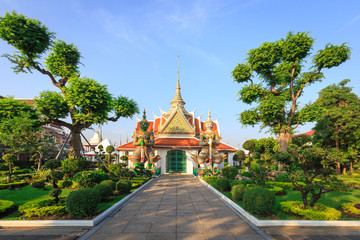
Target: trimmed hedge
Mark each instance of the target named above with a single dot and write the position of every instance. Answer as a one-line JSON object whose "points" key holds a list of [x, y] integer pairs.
{"points": [[238, 191], [259, 201], [6, 205], [14, 184], [124, 186], [43, 207], [318, 212], [105, 190], [111, 183], [222, 184], [82, 203]]}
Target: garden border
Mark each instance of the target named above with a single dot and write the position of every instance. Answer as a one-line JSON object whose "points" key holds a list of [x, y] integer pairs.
{"points": [[279, 223], [75, 223]]}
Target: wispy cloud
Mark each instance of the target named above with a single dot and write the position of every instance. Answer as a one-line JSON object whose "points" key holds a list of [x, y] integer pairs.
{"points": [[353, 21]]}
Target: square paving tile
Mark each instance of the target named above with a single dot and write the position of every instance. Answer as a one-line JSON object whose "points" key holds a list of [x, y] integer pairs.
{"points": [[138, 228], [162, 235], [190, 236]]}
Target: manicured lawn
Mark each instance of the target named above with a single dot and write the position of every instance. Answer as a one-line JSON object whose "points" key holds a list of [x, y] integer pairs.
{"points": [[28, 193]]}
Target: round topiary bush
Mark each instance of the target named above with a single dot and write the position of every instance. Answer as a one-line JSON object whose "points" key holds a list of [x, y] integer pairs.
{"points": [[222, 184], [110, 182], [82, 203], [238, 191], [105, 190], [38, 185], [123, 186], [259, 201]]}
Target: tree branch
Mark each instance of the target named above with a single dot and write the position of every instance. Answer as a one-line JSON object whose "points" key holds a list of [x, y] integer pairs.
{"points": [[59, 84]]}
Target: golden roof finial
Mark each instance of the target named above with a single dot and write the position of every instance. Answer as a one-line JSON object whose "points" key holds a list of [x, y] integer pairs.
{"points": [[177, 98]]}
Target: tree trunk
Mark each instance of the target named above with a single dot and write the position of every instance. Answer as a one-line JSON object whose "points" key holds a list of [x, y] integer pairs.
{"points": [[344, 170], [284, 139], [75, 143], [337, 169], [39, 160], [351, 166]]}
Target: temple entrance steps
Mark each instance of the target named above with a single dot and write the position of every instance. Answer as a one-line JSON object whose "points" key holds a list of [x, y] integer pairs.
{"points": [[176, 207]]}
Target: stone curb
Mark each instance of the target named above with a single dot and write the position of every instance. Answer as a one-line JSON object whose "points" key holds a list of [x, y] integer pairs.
{"points": [[73, 223], [279, 223]]}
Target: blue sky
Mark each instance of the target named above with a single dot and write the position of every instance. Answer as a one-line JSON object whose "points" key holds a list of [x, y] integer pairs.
{"points": [[132, 47]]}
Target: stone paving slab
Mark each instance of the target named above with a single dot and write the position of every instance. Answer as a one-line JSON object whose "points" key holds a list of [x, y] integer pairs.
{"points": [[176, 207], [316, 233], [43, 233]]}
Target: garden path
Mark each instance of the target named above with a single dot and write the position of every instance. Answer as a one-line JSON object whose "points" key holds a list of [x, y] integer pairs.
{"points": [[176, 207]]}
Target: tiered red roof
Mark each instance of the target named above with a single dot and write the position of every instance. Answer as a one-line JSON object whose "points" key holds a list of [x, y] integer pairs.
{"points": [[177, 143]]}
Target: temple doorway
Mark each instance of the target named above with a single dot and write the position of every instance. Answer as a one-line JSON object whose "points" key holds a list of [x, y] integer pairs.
{"points": [[176, 161]]}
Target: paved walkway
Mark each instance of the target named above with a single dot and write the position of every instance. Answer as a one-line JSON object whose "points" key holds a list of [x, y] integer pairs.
{"points": [[313, 233], [176, 207]]}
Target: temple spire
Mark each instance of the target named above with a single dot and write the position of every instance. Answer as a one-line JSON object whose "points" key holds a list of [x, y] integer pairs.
{"points": [[177, 98]]}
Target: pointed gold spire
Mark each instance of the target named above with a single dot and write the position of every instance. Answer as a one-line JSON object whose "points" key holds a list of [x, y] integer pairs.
{"points": [[177, 98]]}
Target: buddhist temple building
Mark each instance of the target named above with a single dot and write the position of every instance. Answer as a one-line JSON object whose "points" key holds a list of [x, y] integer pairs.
{"points": [[176, 134]]}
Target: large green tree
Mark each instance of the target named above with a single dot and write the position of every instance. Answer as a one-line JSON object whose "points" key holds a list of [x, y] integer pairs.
{"points": [[338, 128], [281, 68], [82, 99]]}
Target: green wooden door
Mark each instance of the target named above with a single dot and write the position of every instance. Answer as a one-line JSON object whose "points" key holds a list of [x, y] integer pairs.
{"points": [[176, 161]]}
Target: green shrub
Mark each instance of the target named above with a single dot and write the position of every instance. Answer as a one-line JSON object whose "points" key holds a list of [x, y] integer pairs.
{"points": [[318, 212], [229, 172], [74, 165], [222, 184], [283, 185], [65, 183], [238, 191], [82, 203], [87, 179], [13, 184], [38, 185], [52, 164], [277, 190], [43, 207], [123, 186], [111, 183], [235, 182], [259, 201], [105, 190], [350, 208], [283, 178], [247, 174], [22, 171], [6, 205], [102, 175]]}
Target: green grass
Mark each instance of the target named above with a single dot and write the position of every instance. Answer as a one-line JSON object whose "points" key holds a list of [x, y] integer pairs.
{"points": [[103, 206], [28, 193]]}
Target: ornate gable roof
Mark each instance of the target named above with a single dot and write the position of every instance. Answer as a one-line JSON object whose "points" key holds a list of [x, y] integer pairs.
{"points": [[177, 123]]}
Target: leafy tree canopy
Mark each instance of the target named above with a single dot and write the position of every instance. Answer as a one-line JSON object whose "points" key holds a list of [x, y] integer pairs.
{"points": [[83, 99], [280, 67]]}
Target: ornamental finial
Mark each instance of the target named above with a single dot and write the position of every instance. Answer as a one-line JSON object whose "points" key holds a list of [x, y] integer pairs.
{"points": [[144, 115]]}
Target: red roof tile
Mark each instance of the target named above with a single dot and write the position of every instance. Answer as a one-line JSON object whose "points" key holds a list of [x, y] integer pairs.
{"points": [[183, 143]]}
